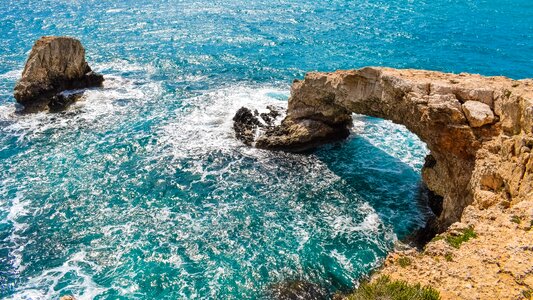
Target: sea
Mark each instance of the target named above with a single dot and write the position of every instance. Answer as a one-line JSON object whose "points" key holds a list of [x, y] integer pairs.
{"points": [[141, 191]]}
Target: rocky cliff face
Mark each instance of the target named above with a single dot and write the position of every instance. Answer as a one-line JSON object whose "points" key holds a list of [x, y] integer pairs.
{"points": [[478, 129], [55, 64]]}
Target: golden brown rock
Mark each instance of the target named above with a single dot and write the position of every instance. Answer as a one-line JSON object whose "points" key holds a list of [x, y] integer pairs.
{"points": [[432, 105], [55, 64], [481, 162]]}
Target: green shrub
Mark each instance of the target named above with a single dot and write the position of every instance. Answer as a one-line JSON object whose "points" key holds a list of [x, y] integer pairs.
{"points": [[437, 238], [528, 294], [516, 219], [448, 256], [456, 240], [404, 261], [385, 289]]}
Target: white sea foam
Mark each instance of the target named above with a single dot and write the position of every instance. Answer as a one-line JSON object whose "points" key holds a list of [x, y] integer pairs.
{"points": [[13, 74], [208, 126], [394, 139], [44, 285], [98, 106], [19, 208]]}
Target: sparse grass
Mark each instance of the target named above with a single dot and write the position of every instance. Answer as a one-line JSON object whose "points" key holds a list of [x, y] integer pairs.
{"points": [[384, 288], [456, 240], [528, 294], [404, 261], [516, 219], [437, 238], [448, 256]]}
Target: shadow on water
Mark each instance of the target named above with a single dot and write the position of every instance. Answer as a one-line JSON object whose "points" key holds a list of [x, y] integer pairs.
{"points": [[393, 188]]}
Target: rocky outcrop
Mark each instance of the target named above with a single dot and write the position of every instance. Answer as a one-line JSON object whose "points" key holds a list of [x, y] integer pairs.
{"points": [[296, 290], [478, 129], [247, 124], [55, 64]]}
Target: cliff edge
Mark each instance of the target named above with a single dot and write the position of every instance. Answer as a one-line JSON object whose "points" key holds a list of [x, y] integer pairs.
{"points": [[479, 131]]}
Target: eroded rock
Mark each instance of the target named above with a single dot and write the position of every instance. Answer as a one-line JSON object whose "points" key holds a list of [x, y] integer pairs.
{"points": [[461, 117], [477, 113], [247, 124], [54, 65], [297, 290]]}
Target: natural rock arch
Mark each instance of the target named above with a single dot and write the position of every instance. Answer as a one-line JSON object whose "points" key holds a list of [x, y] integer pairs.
{"points": [[478, 129]]}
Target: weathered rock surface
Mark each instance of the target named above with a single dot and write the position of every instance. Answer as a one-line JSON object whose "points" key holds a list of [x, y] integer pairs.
{"points": [[478, 113], [455, 115], [497, 264], [480, 134], [247, 124], [55, 64]]}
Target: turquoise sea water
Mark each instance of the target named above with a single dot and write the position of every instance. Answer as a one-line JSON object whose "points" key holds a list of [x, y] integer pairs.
{"points": [[141, 191]]}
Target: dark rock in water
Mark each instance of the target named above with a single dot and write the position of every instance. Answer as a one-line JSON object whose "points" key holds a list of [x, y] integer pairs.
{"points": [[431, 203], [302, 135], [55, 64], [245, 124], [297, 290], [270, 117], [61, 101], [430, 161]]}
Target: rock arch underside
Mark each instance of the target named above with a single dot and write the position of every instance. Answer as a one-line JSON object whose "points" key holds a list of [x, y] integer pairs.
{"points": [[478, 129]]}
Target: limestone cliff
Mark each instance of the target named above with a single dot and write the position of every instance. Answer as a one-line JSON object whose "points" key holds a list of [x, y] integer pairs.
{"points": [[55, 64], [478, 129]]}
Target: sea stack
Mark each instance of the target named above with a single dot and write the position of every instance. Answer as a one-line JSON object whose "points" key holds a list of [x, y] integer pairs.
{"points": [[55, 64]]}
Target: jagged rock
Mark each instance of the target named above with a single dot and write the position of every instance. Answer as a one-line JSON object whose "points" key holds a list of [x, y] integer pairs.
{"points": [[429, 104], [477, 113], [63, 100], [55, 64], [271, 115], [246, 124], [297, 290]]}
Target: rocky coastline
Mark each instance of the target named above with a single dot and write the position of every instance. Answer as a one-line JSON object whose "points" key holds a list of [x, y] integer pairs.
{"points": [[479, 131], [479, 172]]}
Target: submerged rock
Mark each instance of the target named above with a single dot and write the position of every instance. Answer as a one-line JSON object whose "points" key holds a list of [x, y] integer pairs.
{"points": [[55, 64], [297, 290]]}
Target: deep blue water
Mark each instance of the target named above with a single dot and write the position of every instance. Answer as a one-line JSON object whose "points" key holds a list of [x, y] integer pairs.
{"points": [[141, 191]]}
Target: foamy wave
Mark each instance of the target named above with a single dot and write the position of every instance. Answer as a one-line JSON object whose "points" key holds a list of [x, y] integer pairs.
{"points": [[394, 139], [207, 125], [44, 285], [13, 74], [97, 106], [19, 208]]}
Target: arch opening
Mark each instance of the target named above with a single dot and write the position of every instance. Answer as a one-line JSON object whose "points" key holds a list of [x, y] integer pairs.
{"points": [[462, 118]]}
